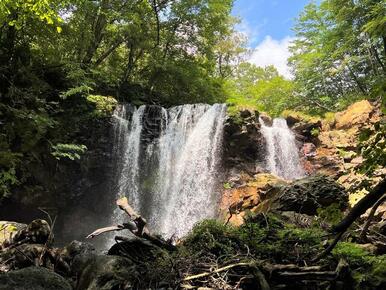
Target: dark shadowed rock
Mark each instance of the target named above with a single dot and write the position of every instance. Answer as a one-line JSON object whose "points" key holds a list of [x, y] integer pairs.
{"points": [[104, 272], [243, 142], [308, 194], [33, 278]]}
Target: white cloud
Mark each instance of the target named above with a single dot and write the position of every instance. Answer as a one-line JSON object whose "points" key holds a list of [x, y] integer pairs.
{"points": [[273, 52]]}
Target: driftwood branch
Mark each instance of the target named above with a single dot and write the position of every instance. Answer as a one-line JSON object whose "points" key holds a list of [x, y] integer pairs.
{"points": [[228, 267], [105, 230], [123, 204]]}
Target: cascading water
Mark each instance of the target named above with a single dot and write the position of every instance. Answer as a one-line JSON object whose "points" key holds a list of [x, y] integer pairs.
{"points": [[172, 178], [282, 157]]}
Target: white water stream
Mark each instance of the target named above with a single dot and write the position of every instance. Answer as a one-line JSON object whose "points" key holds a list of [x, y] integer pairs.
{"points": [[282, 157]]}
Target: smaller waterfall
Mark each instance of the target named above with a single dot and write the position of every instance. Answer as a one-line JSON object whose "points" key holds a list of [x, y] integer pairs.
{"points": [[282, 153]]}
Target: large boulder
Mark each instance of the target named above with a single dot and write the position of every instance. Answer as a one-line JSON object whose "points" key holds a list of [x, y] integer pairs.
{"points": [[357, 114], [243, 193], [305, 195], [101, 272], [33, 278]]}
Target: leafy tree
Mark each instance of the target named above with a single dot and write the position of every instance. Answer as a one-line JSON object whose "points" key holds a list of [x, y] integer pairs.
{"points": [[339, 54], [259, 88]]}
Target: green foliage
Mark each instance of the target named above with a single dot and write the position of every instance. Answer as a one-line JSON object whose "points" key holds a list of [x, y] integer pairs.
{"points": [[18, 12], [104, 105], [264, 237], [212, 237], [76, 91], [227, 185], [338, 54], [258, 88], [70, 151], [7, 180], [353, 253], [373, 148], [315, 132]]}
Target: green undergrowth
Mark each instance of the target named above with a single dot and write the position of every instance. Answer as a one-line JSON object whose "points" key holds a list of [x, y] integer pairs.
{"points": [[271, 238], [262, 237], [368, 270]]}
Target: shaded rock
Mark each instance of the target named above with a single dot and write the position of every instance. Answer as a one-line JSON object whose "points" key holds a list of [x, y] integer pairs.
{"points": [[292, 120], [267, 119], [308, 149], [305, 195], [137, 249], [245, 114], [96, 272], [243, 142], [33, 278], [38, 232], [69, 253], [305, 130], [302, 220]]}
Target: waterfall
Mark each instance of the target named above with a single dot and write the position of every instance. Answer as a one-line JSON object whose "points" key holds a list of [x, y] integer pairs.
{"points": [[282, 157], [169, 177]]}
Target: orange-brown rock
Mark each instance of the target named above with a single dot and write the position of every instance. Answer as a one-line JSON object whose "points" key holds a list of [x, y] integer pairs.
{"points": [[359, 113], [245, 196]]}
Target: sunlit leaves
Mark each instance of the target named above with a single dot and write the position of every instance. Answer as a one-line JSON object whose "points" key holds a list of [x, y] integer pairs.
{"points": [[18, 12]]}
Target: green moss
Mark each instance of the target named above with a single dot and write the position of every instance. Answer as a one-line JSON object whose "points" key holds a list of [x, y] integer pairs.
{"points": [[353, 253], [212, 237], [331, 214], [300, 116]]}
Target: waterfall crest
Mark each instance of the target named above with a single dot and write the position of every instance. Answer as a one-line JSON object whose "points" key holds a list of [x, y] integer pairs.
{"points": [[170, 178], [282, 157]]}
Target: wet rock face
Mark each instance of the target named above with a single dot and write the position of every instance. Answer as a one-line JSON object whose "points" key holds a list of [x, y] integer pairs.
{"points": [[33, 278], [243, 142], [308, 194], [152, 123], [70, 190]]}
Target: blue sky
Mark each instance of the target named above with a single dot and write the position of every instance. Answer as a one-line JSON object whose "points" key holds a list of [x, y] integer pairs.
{"points": [[268, 23]]}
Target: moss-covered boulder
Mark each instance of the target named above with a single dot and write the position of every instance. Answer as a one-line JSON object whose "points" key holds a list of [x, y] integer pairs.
{"points": [[104, 272], [305, 195], [33, 278]]}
